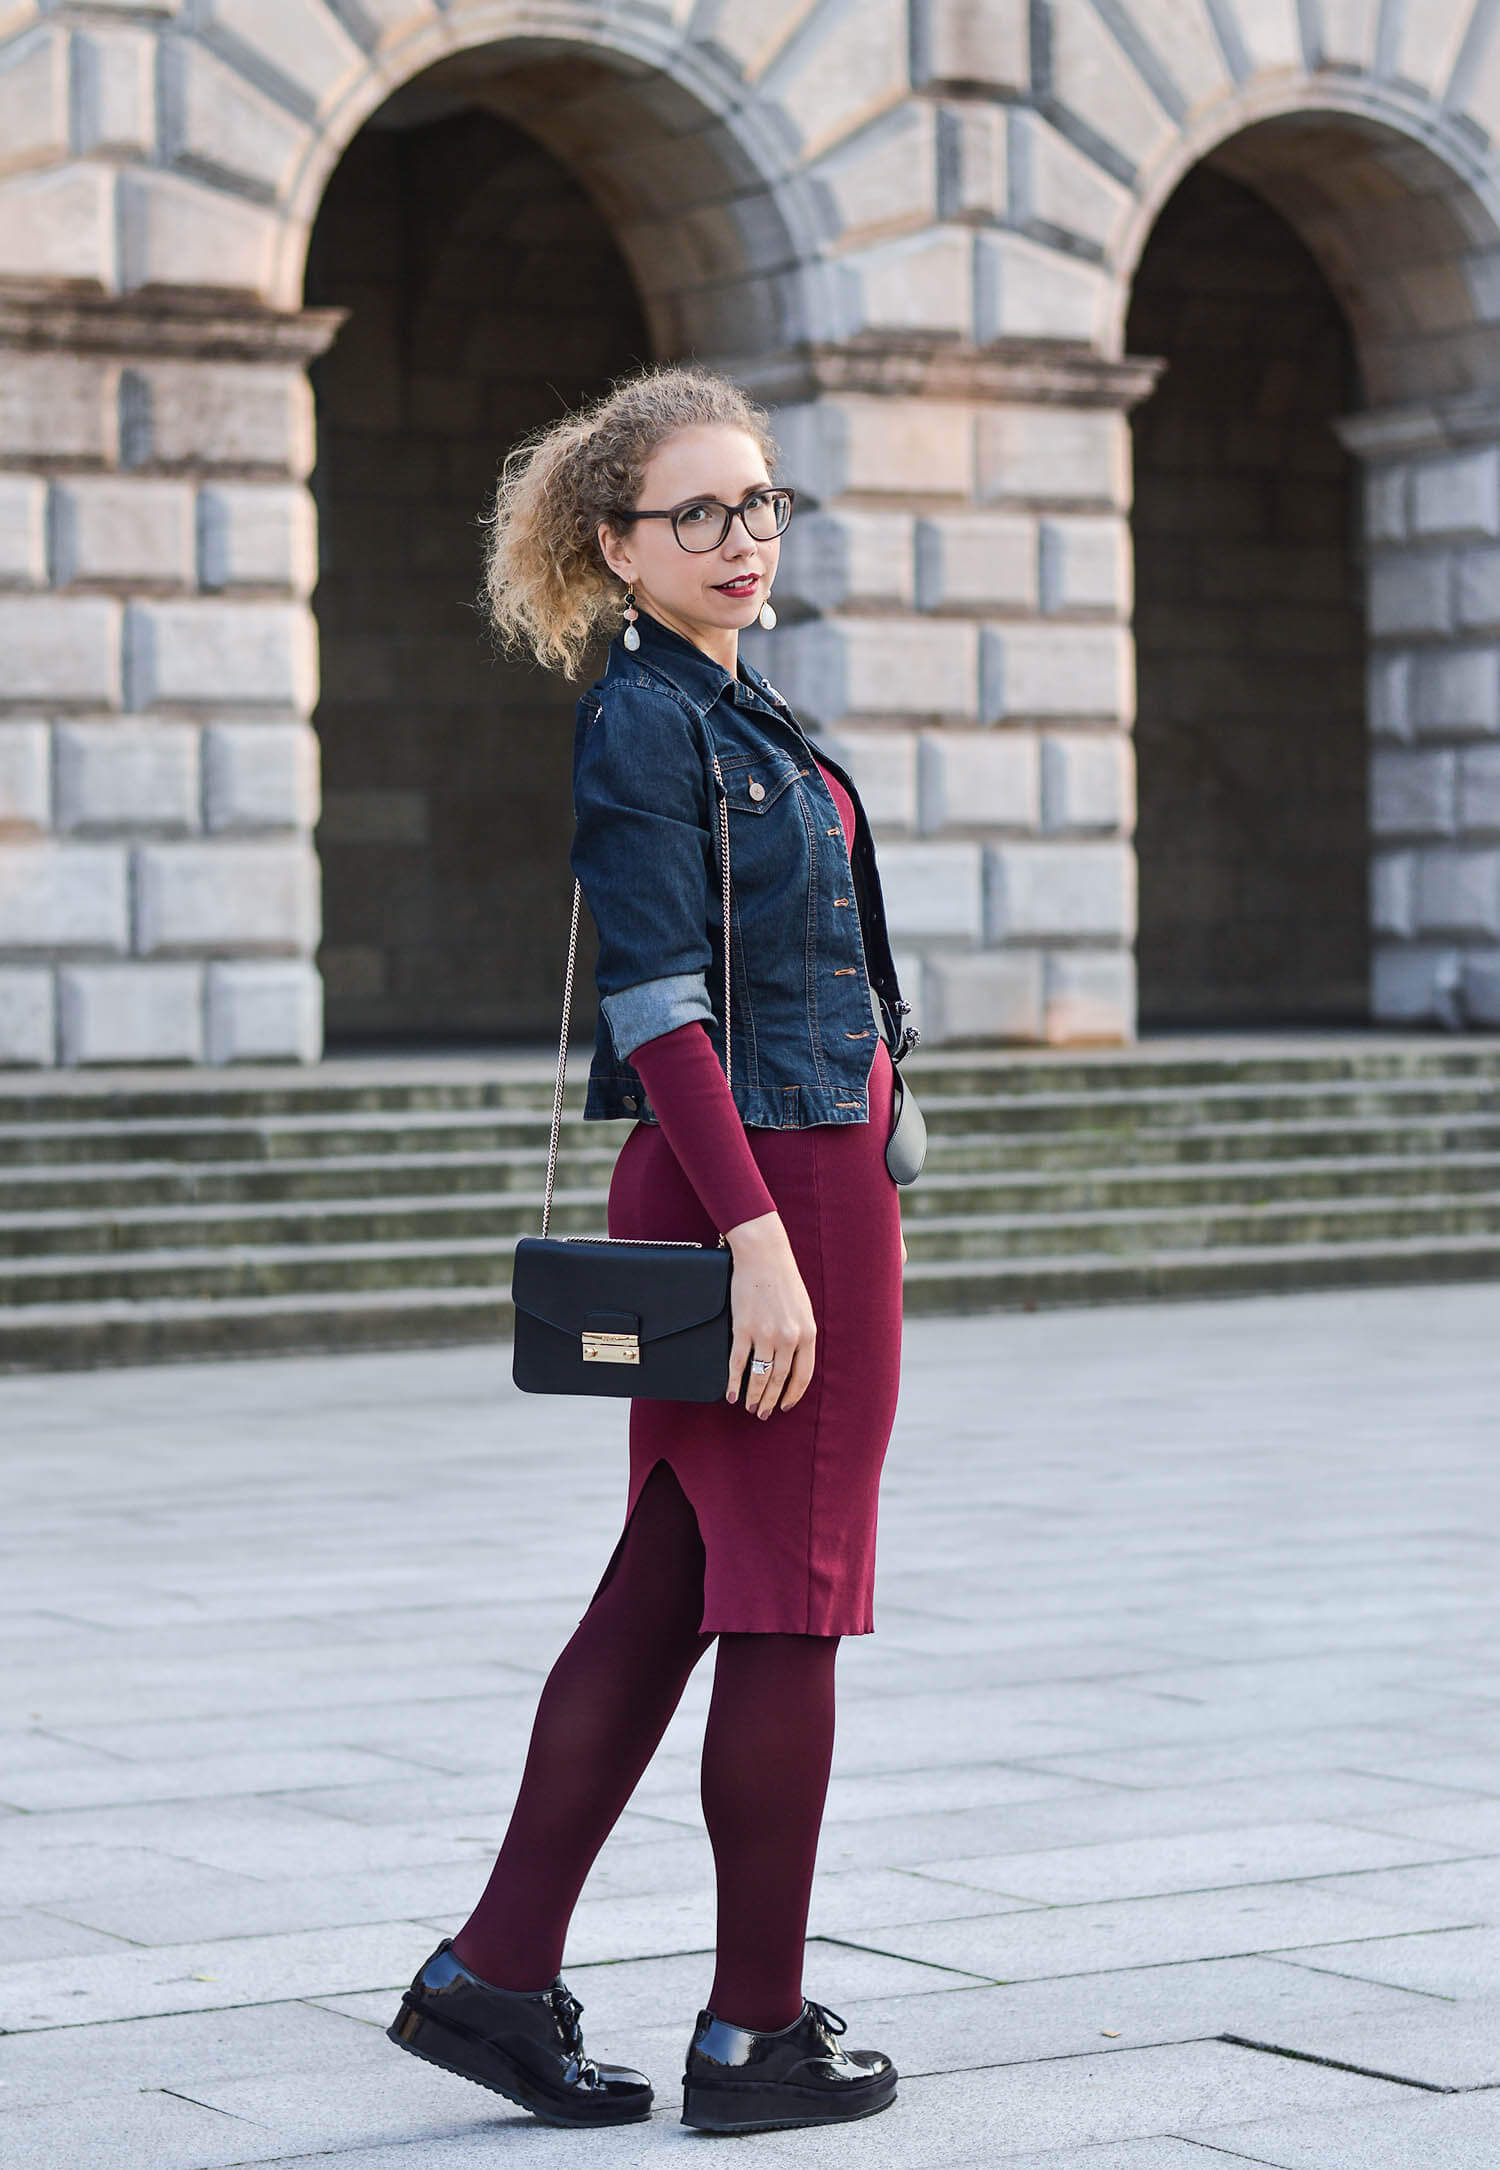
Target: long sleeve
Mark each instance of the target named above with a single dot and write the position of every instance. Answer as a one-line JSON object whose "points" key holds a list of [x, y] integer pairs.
{"points": [[702, 1125]]}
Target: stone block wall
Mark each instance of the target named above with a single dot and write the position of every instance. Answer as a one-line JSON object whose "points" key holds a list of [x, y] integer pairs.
{"points": [[159, 893], [1432, 523], [913, 226], [956, 604]]}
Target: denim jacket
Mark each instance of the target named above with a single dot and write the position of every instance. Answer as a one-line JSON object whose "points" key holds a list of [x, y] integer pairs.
{"points": [[809, 937]]}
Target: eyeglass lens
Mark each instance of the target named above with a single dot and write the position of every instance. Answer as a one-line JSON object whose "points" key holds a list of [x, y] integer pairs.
{"points": [[704, 524]]}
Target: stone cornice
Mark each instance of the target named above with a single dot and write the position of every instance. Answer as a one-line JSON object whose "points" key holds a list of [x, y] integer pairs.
{"points": [[179, 327], [1019, 373], [1408, 432]]}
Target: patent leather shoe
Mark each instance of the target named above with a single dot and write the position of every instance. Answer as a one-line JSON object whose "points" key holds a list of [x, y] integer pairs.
{"points": [[525, 2044], [741, 2080]]}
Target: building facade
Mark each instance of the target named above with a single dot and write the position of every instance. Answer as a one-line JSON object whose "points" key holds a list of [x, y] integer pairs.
{"points": [[1138, 362]]}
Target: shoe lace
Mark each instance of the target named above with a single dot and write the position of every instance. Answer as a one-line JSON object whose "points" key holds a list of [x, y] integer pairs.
{"points": [[569, 2012], [829, 2019]]}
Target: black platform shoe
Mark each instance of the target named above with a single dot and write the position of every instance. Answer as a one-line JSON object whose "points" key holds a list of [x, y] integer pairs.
{"points": [[524, 2044], [739, 2080]]}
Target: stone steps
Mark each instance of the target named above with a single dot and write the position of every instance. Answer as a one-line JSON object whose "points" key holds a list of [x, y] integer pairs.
{"points": [[87, 1183], [150, 1217], [363, 1259], [947, 1207], [969, 1121]]}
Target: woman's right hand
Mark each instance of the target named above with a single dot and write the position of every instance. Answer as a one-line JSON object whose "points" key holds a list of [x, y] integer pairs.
{"points": [[772, 1315]]}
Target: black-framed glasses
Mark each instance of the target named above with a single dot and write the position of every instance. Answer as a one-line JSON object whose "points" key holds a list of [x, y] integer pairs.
{"points": [[703, 523]]}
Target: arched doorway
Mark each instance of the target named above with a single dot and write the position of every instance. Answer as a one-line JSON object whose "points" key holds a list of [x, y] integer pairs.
{"points": [[1321, 276], [485, 295], [1251, 749]]}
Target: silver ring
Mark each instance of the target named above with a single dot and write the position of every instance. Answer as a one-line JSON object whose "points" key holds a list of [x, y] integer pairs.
{"points": [[761, 1363]]}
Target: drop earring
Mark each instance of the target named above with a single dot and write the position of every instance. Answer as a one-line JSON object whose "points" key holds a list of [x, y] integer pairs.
{"points": [[767, 616], [632, 637]]}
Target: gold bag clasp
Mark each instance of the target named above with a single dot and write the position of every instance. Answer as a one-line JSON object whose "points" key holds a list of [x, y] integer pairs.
{"points": [[611, 1348]]}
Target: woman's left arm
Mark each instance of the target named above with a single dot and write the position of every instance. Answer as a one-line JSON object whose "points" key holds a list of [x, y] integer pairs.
{"points": [[702, 1125], [643, 852]]}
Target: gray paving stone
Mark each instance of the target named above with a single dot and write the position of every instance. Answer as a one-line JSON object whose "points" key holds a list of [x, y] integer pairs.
{"points": [[952, 1786], [352, 2105], [33, 1935], [104, 2132], [279, 1837], [1445, 2046], [968, 2117], [183, 2052], [1452, 1963], [1018, 2023], [1150, 1932], [851, 1901], [106, 1783], [169, 1911], [35, 1874], [1105, 1651], [962, 2118], [510, 2131], [211, 1733], [1109, 1814], [1468, 1883], [1189, 1861], [1129, 2155], [27, 1750], [79, 1696], [1475, 1773], [205, 1977], [1467, 1826], [1425, 2132], [1022, 1662], [1267, 1751]]}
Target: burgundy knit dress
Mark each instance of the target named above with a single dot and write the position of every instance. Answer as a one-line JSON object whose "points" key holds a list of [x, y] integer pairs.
{"points": [[786, 1505]]}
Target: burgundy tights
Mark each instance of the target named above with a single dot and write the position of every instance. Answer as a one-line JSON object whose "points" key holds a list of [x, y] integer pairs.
{"points": [[767, 1750]]}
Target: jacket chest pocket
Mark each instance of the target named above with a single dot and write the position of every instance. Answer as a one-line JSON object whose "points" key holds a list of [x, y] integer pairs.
{"points": [[753, 786]]}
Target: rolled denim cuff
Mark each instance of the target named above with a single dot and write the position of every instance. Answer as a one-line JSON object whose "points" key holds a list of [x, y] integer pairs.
{"points": [[653, 1006]]}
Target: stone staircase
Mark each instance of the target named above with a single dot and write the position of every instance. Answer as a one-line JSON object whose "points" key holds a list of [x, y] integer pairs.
{"points": [[373, 1203]]}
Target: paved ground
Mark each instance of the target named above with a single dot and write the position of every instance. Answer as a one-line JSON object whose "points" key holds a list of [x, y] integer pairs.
{"points": [[1179, 1735]]}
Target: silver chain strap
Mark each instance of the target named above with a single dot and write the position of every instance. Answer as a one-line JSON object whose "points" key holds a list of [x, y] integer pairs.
{"points": [[674, 1243]]}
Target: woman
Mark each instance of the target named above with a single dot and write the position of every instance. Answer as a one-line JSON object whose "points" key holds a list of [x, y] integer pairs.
{"points": [[749, 1522]]}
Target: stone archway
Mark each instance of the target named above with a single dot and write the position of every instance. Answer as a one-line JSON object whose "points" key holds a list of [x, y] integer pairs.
{"points": [[1251, 758], [485, 296], [488, 290], [1381, 233]]}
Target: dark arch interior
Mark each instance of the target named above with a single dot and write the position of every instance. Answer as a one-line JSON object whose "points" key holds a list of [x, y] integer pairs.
{"points": [[1250, 738], [486, 295]]}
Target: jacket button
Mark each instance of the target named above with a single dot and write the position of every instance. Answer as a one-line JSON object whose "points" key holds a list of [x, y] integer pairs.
{"points": [[757, 791], [629, 1100]]}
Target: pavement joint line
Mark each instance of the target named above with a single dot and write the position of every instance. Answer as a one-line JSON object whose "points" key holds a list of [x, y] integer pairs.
{"points": [[1342, 2064], [213, 2109], [1210, 2147]]}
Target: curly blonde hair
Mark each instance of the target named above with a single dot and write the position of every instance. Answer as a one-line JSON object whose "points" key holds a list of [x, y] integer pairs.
{"points": [[547, 587]]}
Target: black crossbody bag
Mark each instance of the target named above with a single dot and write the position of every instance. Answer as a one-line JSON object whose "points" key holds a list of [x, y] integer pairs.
{"points": [[644, 1315]]}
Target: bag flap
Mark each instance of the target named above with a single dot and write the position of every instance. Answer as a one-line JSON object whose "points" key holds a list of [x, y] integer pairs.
{"points": [[562, 1284]]}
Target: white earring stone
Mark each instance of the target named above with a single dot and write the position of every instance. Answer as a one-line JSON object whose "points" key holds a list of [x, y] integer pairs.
{"points": [[632, 638], [767, 617]]}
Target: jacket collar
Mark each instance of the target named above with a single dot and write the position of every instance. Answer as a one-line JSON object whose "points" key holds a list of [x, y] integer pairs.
{"points": [[696, 676]]}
